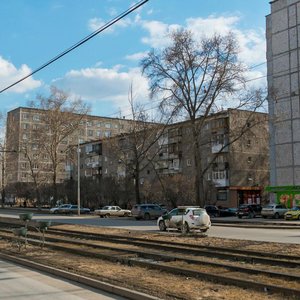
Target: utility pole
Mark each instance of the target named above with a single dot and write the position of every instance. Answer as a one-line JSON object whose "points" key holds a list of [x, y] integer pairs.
{"points": [[78, 179]]}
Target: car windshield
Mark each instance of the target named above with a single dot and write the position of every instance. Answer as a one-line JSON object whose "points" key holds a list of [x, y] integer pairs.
{"points": [[269, 206], [296, 208], [198, 212], [243, 206]]}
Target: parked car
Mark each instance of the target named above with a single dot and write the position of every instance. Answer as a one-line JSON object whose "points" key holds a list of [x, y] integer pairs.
{"points": [[293, 214], [116, 211], [227, 212], [249, 210], [212, 210], [68, 209], [147, 211], [185, 219], [274, 211]]}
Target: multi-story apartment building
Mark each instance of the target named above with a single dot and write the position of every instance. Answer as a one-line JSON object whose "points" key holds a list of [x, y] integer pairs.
{"points": [[234, 150], [23, 121], [283, 56]]}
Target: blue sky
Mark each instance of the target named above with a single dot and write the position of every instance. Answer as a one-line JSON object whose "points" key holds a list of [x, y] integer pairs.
{"points": [[101, 71]]}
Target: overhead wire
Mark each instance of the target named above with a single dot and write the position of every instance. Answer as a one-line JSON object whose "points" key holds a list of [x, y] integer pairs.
{"points": [[82, 41]]}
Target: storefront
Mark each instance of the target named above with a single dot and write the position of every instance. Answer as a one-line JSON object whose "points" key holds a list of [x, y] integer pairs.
{"points": [[288, 196], [246, 194]]}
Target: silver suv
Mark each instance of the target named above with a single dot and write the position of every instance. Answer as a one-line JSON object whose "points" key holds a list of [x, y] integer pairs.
{"points": [[147, 211], [274, 211]]}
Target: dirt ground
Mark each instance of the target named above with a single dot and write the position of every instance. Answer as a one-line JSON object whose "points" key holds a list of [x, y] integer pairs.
{"points": [[159, 284]]}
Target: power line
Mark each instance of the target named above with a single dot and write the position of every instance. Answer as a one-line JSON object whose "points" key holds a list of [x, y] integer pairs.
{"points": [[82, 41]]}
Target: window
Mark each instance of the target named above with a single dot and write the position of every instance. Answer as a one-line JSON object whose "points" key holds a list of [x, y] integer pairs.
{"points": [[248, 143], [25, 116], [88, 148], [35, 126], [35, 166], [35, 117], [218, 139], [249, 159], [116, 126], [98, 133], [25, 126], [23, 165], [107, 133], [25, 136], [188, 162], [89, 123], [107, 125], [90, 132], [34, 147], [222, 195]]}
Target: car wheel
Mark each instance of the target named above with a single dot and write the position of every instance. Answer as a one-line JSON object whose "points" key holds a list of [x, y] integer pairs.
{"points": [[101, 216], [203, 230], [162, 226], [264, 217], [147, 216], [126, 215], [251, 215], [185, 228], [56, 212], [107, 215], [299, 217], [276, 216], [239, 217]]}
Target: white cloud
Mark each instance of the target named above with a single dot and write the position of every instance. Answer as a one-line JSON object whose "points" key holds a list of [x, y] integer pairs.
{"points": [[97, 85], [137, 56], [10, 74], [251, 42], [158, 32]]}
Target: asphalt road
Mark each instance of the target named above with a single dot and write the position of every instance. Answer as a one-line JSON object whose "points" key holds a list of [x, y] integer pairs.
{"points": [[255, 234], [21, 283]]}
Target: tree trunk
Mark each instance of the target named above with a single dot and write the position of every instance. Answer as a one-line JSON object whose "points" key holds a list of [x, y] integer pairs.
{"points": [[198, 183]]}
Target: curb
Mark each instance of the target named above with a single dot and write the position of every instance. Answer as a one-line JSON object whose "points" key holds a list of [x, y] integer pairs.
{"points": [[251, 225], [103, 286]]}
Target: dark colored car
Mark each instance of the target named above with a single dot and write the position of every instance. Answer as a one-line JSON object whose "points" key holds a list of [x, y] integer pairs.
{"points": [[249, 210], [147, 211], [228, 212], [212, 210]]}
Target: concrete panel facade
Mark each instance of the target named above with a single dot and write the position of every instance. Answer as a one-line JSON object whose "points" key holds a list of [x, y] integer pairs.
{"points": [[283, 57]]}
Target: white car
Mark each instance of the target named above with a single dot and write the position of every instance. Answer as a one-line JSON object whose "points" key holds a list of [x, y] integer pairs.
{"points": [[185, 218], [115, 211], [274, 211]]}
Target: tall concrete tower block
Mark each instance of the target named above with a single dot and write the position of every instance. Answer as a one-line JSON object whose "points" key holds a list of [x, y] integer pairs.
{"points": [[283, 59]]}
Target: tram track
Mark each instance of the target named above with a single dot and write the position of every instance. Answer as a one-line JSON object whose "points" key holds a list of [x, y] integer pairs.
{"points": [[180, 259]]}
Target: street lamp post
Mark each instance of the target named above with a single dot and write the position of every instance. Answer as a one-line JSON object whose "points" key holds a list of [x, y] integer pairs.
{"points": [[78, 179]]}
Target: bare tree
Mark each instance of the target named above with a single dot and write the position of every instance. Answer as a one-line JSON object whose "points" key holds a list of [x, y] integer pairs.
{"points": [[59, 119], [137, 148], [198, 80]]}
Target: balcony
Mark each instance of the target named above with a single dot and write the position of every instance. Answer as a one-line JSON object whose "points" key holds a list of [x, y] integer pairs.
{"points": [[216, 148], [221, 182]]}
